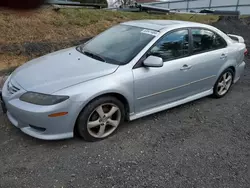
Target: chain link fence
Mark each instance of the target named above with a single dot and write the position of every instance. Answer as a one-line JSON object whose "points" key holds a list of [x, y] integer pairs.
{"points": [[243, 6]]}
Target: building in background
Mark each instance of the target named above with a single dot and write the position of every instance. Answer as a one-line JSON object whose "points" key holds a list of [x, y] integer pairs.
{"points": [[243, 6]]}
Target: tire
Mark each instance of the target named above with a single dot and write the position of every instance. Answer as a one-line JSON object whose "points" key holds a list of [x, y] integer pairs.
{"points": [[218, 93], [90, 116]]}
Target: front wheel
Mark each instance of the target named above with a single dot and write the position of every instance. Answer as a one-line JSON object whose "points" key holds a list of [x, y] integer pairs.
{"points": [[223, 83], [100, 118]]}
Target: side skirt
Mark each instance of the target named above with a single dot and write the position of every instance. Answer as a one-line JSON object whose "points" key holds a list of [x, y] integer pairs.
{"points": [[170, 105]]}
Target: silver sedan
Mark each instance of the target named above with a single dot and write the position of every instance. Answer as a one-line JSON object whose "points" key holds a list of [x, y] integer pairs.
{"points": [[129, 71]]}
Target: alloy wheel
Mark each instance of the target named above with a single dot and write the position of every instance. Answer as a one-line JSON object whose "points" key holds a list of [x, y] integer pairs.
{"points": [[104, 120], [224, 83]]}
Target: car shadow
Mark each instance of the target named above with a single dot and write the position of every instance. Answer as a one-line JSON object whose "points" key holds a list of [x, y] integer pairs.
{"points": [[162, 114]]}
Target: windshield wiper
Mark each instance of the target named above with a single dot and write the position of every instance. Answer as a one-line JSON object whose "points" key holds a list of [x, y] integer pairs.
{"points": [[90, 54], [94, 56]]}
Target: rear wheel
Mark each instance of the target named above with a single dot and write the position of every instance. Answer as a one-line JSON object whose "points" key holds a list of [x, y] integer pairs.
{"points": [[224, 83], [100, 118]]}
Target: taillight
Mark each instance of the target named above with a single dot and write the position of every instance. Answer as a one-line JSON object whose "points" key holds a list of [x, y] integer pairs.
{"points": [[246, 52]]}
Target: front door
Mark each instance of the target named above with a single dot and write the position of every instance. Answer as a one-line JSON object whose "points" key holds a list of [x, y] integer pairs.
{"points": [[158, 86]]}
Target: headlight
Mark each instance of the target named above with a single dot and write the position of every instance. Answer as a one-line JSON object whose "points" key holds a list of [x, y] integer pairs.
{"points": [[42, 99]]}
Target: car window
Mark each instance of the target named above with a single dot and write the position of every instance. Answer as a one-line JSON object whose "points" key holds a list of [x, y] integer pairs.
{"points": [[205, 40], [172, 46]]}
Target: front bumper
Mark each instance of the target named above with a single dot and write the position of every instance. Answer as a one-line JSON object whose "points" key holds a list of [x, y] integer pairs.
{"points": [[40, 134], [34, 120]]}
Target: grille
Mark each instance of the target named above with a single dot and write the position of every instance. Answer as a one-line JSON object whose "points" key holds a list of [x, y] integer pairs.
{"points": [[12, 88]]}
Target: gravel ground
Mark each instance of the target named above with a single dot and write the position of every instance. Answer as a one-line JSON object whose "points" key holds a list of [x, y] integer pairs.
{"points": [[205, 143]]}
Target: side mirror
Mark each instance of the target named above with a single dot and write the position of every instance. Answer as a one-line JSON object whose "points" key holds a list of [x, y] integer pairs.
{"points": [[153, 61]]}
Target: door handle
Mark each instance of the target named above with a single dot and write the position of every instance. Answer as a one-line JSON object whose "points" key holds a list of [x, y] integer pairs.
{"points": [[223, 56], [186, 67]]}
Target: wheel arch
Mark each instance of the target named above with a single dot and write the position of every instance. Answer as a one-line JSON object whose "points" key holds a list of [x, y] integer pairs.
{"points": [[225, 67], [233, 69], [120, 97], [117, 95]]}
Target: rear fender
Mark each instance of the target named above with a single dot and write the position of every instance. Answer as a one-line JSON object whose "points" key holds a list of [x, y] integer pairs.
{"points": [[230, 63]]}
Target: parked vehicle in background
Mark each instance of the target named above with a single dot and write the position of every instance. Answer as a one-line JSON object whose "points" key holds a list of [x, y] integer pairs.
{"points": [[129, 71]]}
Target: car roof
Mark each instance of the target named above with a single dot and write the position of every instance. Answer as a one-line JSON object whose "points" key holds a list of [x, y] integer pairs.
{"points": [[162, 24]]}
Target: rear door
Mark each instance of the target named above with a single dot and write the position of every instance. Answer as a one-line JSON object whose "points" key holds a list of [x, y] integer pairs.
{"points": [[209, 53]]}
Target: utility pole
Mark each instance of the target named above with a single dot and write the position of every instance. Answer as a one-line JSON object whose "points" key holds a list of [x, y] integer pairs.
{"points": [[187, 5], [210, 4], [237, 6]]}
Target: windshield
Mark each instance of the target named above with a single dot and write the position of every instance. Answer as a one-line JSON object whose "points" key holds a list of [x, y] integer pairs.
{"points": [[119, 44]]}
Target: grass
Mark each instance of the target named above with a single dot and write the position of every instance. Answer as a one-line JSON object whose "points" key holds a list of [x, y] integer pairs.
{"points": [[46, 25], [66, 24], [7, 61]]}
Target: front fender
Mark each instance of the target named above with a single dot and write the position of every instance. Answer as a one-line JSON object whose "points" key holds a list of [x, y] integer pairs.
{"points": [[121, 83]]}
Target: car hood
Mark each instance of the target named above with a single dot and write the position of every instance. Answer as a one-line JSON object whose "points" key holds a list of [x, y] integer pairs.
{"points": [[59, 70]]}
